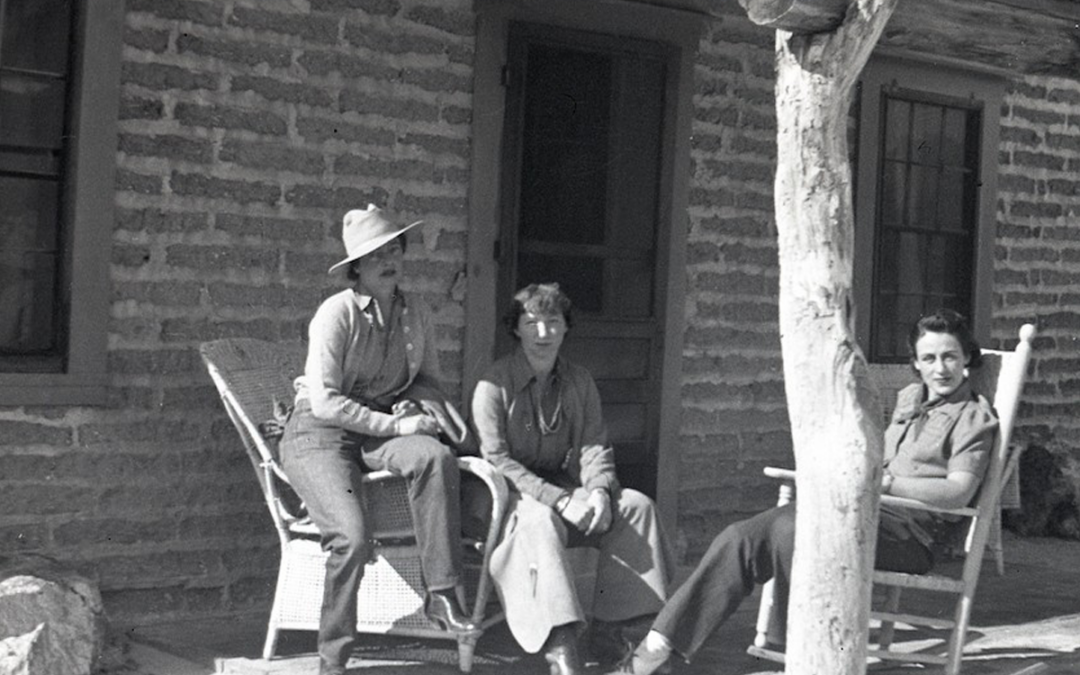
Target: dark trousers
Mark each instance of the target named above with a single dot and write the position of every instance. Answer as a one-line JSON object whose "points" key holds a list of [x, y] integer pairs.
{"points": [[751, 552], [325, 465]]}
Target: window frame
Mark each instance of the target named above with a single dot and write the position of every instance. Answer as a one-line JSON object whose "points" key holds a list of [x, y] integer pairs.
{"points": [[87, 203], [938, 82]]}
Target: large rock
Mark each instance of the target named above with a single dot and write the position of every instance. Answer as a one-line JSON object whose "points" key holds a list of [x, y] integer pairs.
{"points": [[51, 619], [25, 654]]}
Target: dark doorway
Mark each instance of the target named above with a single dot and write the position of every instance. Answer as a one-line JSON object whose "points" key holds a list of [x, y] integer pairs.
{"points": [[580, 205]]}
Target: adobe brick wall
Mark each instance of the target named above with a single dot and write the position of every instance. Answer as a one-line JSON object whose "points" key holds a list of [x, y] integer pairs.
{"points": [[247, 129], [1037, 267], [734, 416]]}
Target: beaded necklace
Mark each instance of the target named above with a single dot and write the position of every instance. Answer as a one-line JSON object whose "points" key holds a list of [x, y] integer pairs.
{"points": [[547, 428]]}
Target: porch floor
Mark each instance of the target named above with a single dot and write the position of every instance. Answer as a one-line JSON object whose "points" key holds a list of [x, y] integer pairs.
{"points": [[1028, 617]]}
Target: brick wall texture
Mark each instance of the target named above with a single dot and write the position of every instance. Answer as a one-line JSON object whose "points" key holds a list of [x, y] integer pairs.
{"points": [[247, 128]]}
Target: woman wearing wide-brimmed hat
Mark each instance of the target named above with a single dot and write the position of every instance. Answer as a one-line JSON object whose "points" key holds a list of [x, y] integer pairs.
{"points": [[368, 344]]}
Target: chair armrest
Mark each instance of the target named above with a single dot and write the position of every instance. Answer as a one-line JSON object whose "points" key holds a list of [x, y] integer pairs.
{"points": [[500, 500], [778, 473], [376, 476], [892, 500], [485, 471]]}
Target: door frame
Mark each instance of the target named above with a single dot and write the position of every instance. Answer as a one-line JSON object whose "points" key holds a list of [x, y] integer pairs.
{"points": [[674, 27]]}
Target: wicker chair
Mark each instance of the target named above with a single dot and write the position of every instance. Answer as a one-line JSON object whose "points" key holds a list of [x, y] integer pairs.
{"points": [[1002, 378], [253, 377]]}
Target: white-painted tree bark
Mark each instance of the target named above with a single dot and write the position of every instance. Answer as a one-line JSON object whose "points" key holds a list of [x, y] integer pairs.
{"points": [[834, 413]]}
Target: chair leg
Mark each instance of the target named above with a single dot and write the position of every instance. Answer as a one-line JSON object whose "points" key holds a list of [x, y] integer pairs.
{"points": [[765, 612], [466, 647], [888, 628], [996, 544], [766, 617], [271, 642], [959, 634]]}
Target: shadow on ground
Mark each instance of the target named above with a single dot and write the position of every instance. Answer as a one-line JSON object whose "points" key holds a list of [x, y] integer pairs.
{"points": [[1029, 616]]}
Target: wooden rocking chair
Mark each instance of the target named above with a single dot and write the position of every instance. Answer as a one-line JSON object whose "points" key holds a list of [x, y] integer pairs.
{"points": [[1002, 375], [253, 376]]}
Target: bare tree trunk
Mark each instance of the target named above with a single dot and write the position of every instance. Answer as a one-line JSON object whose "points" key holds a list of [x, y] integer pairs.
{"points": [[835, 416]]}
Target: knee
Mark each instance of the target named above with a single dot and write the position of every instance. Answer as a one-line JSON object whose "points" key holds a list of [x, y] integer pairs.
{"points": [[433, 457], [782, 532], [635, 505], [540, 524], [350, 540]]}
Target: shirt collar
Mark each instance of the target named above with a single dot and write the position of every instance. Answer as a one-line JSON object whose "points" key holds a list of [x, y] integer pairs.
{"points": [[364, 301], [521, 372], [919, 405], [960, 395]]}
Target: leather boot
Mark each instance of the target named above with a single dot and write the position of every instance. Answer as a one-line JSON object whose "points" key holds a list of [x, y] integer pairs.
{"points": [[442, 608]]}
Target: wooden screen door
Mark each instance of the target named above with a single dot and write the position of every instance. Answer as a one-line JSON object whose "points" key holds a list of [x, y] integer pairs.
{"points": [[580, 204]]}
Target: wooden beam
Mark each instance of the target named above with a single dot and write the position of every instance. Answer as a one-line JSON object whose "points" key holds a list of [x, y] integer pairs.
{"points": [[1027, 37], [993, 33], [1062, 9], [797, 16]]}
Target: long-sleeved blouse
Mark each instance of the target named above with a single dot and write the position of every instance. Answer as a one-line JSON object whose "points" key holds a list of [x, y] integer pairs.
{"points": [[544, 464], [345, 359]]}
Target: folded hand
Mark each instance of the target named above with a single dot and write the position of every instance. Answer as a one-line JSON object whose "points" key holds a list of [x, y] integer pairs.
{"points": [[410, 424], [578, 513], [600, 503]]}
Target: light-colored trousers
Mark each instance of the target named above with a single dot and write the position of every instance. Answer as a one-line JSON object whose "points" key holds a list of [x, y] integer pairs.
{"points": [[535, 581]]}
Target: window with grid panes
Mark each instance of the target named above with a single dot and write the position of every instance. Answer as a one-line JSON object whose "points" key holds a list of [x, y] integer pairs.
{"points": [[925, 199], [926, 215], [35, 74], [59, 94]]}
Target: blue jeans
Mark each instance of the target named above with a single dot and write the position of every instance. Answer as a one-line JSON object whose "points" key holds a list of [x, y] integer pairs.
{"points": [[325, 464], [751, 552]]}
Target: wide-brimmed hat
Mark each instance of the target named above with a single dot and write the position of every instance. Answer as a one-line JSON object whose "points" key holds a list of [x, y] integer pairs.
{"points": [[364, 230]]}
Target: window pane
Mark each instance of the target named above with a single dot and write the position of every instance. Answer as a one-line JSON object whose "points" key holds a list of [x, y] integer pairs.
{"points": [[950, 206], [893, 190], [897, 126], [957, 274], [565, 148], [954, 138], [922, 197], [910, 259], [908, 310], [938, 260], [888, 270], [629, 288], [36, 34], [31, 110], [635, 160], [28, 219], [45, 163], [926, 133], [581, 278], [27, 311], [28, 259]]}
